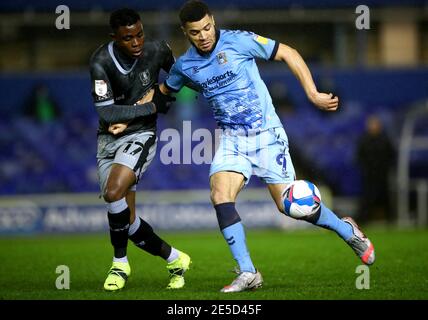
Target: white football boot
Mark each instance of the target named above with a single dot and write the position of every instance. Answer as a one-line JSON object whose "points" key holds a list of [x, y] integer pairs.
{"points": [[245, 281], [361, 245]]}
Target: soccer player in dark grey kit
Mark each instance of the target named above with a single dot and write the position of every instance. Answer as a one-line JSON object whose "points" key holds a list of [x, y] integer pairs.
{"points": [[124, 75]]}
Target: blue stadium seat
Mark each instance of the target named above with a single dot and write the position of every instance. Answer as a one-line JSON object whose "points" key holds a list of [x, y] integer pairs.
{"points": [[60, 156]]}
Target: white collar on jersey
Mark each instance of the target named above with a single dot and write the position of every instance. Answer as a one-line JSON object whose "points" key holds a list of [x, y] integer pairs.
{"points": [[118, 66]]}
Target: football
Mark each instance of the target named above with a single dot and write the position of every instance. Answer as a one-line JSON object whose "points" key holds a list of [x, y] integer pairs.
{"points": [[301, 199]]}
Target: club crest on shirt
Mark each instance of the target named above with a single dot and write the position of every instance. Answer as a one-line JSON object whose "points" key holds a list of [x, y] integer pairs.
{"points": [[195, 69], [145, 77], [221, 57], [100, 88]]}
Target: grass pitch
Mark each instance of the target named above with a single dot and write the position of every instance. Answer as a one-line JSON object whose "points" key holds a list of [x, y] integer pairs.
{"points": [[310, 264]]}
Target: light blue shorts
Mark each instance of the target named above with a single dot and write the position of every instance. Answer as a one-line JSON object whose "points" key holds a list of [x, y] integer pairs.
{"points": [[264, 154]]}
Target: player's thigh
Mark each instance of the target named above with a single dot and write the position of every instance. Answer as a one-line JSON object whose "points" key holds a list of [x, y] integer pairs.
{"points": [[136, 153], [121, 178], [103, 169], [230, 170], [116, 177], [131, 160], [225, 186], [272, 163]]}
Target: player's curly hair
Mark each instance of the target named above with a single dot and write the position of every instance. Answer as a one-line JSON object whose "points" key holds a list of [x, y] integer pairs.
{"points": [[123, 17], [193, 10]]}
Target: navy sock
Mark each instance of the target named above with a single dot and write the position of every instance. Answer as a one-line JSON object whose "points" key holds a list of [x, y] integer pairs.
{"points": [[234, 234]]}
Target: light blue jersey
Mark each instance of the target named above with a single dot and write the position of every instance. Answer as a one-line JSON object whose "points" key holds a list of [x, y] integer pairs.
{"points": [[253, 140], [229, 79]]}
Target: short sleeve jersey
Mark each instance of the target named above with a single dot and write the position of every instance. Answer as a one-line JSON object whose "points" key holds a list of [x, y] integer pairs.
{"points": [[229, 79], [115, 82]]}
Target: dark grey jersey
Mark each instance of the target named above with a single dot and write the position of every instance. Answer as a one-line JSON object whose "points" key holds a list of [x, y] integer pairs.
{"points": [[120, 80]]}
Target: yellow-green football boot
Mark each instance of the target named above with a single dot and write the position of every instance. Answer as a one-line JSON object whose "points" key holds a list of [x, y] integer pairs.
{"points": [[117, 276], [176, 269]]}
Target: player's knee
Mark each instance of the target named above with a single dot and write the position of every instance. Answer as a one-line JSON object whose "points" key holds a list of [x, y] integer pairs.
{"points": [[112, 194], [219, 196]]}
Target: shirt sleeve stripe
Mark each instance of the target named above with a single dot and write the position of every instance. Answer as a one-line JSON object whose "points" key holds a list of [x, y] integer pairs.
{"points": [[274, 51], [104, 103]]}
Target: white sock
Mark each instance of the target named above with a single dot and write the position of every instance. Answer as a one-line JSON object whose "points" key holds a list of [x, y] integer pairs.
{"points": [[117, 206], [173, 255], [123, 259], [134, 226]]}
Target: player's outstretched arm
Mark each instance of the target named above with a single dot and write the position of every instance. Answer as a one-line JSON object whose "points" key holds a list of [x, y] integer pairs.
{"points": [[161, 101], [117, 128], [299, 68], [114, 113]]}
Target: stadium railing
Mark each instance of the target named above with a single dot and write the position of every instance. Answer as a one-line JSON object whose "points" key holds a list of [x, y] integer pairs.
{"points": [[411, 142]]}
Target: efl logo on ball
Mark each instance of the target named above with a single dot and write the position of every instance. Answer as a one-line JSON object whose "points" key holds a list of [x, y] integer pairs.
{"points": [[301, 199]]}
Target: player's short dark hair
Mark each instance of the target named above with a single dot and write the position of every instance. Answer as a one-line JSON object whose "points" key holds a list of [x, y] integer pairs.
{"points": [[193, 10], [123, 17]]}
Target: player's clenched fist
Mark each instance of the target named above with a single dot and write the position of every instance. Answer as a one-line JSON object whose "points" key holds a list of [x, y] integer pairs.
{"points": [[324, 101], [117, 128]]}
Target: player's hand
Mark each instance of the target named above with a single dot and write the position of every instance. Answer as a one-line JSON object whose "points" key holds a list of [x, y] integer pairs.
{"points": [[147, 97], [326, 102], [117, 128], [162, 101]]}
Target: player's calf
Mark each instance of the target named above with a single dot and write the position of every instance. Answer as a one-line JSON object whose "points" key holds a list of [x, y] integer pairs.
{"points": [[143, 236], [302, 201], [118, 219], [233, 232]]}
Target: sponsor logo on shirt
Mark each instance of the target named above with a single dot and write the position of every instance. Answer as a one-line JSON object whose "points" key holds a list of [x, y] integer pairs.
{"points": [[218, 81], [100, 88]]}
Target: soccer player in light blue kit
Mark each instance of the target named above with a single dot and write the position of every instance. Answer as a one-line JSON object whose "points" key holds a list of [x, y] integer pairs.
{"points": [[221, 63]]}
